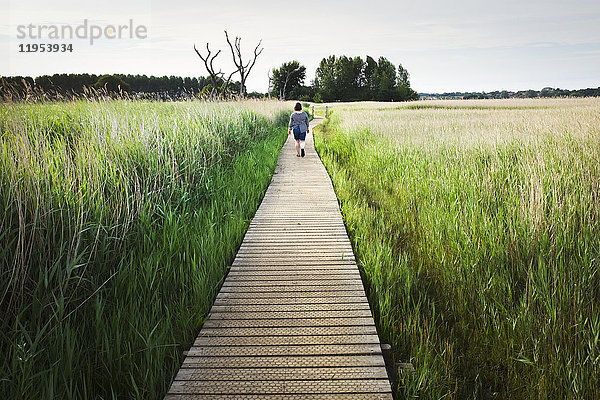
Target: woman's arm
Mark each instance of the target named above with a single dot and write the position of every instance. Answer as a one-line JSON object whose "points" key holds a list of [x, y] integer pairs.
{"points": [[307, 122]]}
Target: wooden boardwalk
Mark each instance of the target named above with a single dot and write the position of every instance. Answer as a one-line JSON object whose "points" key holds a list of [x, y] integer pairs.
{"points": [[291, 320]]}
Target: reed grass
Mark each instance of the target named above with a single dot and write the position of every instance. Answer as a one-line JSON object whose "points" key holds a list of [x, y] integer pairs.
{"points": [[477, 227], [119, 219]]}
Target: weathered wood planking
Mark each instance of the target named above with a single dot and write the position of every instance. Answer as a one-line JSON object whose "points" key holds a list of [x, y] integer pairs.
{"points": [[291, 320]]}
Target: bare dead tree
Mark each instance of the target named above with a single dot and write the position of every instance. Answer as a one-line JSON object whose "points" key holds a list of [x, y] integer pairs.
{"points": [[244, 69], [214, 75], [208, 63]]}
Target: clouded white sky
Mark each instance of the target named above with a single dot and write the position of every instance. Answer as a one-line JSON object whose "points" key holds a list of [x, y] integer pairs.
{"points": [[460, 45]]}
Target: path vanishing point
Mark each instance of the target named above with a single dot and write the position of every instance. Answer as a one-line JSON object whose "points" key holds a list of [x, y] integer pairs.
{"points": [[292, 320]]}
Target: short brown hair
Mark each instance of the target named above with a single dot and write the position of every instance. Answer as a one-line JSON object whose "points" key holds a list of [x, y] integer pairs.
{"points": [[298, 107]]}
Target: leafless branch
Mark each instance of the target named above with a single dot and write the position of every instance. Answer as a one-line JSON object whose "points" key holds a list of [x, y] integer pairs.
{"points": [[208, 63], [236, 53]]}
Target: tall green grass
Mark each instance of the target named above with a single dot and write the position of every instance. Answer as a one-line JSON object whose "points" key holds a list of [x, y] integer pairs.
{"points": [[481, 260], [118, 220]]}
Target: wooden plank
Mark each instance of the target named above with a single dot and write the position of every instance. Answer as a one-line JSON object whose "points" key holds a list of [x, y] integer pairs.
{"points": [[296, 229], [277, 271], [229, 299], [248, 277], [279, 396], [306, 242], [290, 331], [285, 223], [312, 268], [318, 262], [216, 308], [281, 387], [258, 374], [205, 341], [293, 256], [319, 245], [288, 322], [298, 264], [287, 295], [284, 362], [280, 235], [294, 224], [285, 351], [287, 287], [290, 314], [296, 251], [342, 281]]}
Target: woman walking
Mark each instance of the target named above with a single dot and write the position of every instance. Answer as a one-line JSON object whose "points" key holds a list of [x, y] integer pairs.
{"points": [[299, 125]]}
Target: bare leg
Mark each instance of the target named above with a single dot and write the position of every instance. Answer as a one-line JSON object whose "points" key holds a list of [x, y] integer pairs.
{"points": [[302, 144], [298, 147]]}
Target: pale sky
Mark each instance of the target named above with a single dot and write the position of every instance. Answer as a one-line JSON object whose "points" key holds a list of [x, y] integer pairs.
{"points": [[459, 45]]}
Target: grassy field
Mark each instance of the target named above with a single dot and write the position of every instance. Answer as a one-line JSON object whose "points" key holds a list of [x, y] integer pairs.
{"points": [[118, 220], [477, 227]]}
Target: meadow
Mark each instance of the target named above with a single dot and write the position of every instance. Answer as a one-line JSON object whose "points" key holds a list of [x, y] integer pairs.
{"points": [[118, 221], [477, 229]]}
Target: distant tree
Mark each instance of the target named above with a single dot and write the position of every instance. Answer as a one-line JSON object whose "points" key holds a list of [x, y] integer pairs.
{"points": [[348, 77], [112, 84], [531, 93], [303, 93], [286, 78], [403, 76], [404, 91], [368, 72], [187, 83], [255, 95], [547, 92], [384, 80], [325, 81]]}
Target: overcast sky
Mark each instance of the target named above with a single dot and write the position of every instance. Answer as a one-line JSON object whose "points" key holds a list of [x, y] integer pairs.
{"points": [[459, 45]]}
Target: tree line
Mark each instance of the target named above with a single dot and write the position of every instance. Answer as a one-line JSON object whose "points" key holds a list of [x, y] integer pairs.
{"points": [[342, 78], [522, 94], [155, 87], [336, 79]]}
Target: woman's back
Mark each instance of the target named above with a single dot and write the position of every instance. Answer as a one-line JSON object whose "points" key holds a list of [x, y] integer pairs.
{"points": [[299, 119]]}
